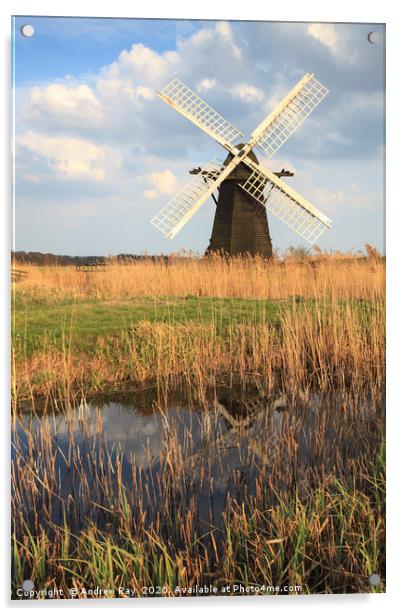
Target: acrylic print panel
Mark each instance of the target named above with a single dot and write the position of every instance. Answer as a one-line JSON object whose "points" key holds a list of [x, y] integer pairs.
{"points": [[203, 413]]}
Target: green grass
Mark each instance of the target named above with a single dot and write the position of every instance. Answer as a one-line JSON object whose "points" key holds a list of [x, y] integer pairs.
{"points": [[84, 321]]}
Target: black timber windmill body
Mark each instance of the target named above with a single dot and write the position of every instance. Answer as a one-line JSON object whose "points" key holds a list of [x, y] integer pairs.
{"points": [[240, 223], [247, 189]]}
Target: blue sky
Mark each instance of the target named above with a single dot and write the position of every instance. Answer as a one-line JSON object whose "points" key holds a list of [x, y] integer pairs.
{"points": [[97, 154]]}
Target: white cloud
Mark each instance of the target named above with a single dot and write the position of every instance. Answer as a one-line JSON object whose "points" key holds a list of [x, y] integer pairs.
{"points": [[70, 156], [150, 193], [201, 36], [141, 61], [224, 30], [206, 84], [71, 102], [247, 93], [334, 38], [163, 183], [219, 36], [325, 33], [119, 104], [115, 90]]}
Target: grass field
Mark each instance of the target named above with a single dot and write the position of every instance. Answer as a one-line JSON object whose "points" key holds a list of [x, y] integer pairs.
{"points": [[89, 319], [145, 320], [298, 327]]}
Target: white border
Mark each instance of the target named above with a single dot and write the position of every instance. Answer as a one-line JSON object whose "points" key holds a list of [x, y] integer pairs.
{"points": [[292, 10]]}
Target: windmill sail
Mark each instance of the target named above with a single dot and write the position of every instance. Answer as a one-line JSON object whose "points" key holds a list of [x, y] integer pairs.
{"points": [[184, 205], [291, 112], [262, 184], [188, 103], [293, 209]]}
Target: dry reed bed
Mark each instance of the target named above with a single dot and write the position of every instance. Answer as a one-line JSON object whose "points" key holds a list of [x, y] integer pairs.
{"points": [[312, 346], [248, 278], [336, 340]]}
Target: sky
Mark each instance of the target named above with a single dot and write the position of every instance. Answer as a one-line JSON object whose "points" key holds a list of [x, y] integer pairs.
{"points": [[97, 154]]}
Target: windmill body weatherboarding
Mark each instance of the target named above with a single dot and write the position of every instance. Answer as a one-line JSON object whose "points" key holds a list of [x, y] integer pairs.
{"points": [[246, 187]]}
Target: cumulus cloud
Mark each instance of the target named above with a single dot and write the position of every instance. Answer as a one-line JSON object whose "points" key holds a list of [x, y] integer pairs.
{"points": [[121, 99], [325, 33], [75, 158], [163, 183], [73, 103], [110, 129], [115, 89], [247, 93], [334, 39], [206, 84], [143, 62], [224, 30]]}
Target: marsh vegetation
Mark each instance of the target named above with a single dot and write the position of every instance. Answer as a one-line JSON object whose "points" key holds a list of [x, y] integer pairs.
{"points": [[264, 383]]}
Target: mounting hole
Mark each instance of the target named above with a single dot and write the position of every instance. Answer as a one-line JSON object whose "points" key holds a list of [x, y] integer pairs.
{"points": [[27, 30], [374, 37], [374, 579], [28, 585]]}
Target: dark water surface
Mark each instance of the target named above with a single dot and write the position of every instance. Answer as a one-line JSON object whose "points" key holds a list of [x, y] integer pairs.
{"points": [[219, 448]]}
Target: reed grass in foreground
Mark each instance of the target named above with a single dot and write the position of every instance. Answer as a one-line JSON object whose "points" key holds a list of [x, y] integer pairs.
{"points": [[305, 504], [303, 511]]}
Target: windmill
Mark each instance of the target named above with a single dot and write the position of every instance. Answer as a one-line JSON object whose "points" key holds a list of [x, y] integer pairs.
{"points": [[247, 189]]}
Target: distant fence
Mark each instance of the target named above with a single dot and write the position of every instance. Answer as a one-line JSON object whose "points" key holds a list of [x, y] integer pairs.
{"points": [[18, 274], [91, 267]]}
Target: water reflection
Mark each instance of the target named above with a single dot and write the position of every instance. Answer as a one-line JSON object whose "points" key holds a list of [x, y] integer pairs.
{"points": [[218, 449]]}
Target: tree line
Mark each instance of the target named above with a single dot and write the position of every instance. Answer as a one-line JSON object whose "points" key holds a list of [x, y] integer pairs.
{"points": [[40, 258]]}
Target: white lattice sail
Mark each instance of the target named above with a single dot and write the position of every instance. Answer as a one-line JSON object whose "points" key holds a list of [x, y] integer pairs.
{"points": [[184, 205], [293, 209], [188, 103], [262, 184], [272, 133]]}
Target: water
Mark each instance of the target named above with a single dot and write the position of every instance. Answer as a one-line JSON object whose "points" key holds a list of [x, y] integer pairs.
{"points": [[217, 450]]}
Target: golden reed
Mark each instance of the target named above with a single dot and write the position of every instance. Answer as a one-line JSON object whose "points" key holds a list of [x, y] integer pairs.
{"points": [[241, 277]]}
